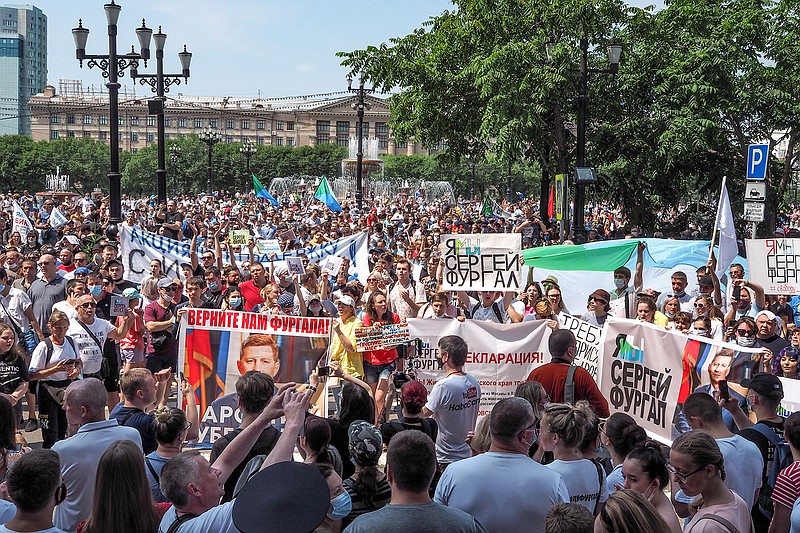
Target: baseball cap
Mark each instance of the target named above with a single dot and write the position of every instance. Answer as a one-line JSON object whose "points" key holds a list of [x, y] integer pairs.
{"points": [[346, 300], [131, 294], [163, 283], [281, 271], [766, 385], [366, 443], [290, 497], [286, 300], [82, 270]]}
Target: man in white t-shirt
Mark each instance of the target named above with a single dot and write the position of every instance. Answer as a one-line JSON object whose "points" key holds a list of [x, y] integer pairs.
{"points": [[406, 296], [501, 500], [454, 403]]}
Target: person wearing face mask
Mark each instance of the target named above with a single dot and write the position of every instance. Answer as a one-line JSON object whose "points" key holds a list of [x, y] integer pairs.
{"points": [[506, 472], [623, 296], [233, 300], [368, 487], [645, 471], [679, 282], [214, 293], [340, 504], [743, 461], [701, 327], [159, 320], [314, 306], [705, 309], [747, 299]]}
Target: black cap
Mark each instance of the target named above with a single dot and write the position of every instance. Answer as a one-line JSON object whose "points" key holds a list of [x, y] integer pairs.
{"points": [[288, 497], [766, 385]]}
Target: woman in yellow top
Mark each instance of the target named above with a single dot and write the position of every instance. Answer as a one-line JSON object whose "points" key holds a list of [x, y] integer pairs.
{"points": [[343, 347]]}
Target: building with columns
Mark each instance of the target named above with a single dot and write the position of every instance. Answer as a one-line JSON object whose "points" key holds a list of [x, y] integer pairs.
{"points": [[294, 121]]}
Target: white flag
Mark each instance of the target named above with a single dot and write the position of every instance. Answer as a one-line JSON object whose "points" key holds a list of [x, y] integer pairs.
{"points": [[57, 218], [728, 250], [22, 223]]}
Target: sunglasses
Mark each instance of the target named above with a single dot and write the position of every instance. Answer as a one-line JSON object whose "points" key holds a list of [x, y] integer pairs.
{"points": [[698, 304], [171, 288], [88, 305], [745, 332]]}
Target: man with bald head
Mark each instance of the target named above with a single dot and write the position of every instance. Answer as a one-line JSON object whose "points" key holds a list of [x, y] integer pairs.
{"points": [[92, 434], [501, 500]]}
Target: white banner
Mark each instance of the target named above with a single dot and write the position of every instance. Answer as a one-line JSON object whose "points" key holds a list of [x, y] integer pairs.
{"points": [[774, 264], [587, 337], [482, 262], [139, 247], [22, 223], [791, 397], [500, 357]]}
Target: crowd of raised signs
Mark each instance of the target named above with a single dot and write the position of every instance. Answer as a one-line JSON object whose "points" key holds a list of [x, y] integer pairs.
{"points": [[95, 379]]}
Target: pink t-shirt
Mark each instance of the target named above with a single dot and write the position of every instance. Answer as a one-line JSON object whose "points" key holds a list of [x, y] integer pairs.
{"points": [[737, 512]]}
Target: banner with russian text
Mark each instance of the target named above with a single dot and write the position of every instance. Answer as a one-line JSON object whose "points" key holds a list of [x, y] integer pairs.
{"points": [[482, 262], [500, 357], [649, 370], [381, 337], [773, 264], [217, 347], [587, 338], [139, 247]]}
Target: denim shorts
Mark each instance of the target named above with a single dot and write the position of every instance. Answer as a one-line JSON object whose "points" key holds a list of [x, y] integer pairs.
{"points": [[375, 373]]}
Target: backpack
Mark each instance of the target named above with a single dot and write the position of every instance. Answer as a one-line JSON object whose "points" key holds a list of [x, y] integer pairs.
{"points": [[49, 349], [495, 308], [781, 458]]}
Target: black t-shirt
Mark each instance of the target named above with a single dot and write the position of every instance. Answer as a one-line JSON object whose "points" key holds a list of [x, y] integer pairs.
{"points": [[172, 218], [774, 343], [392, 428], [143, 422], [12, 373]]}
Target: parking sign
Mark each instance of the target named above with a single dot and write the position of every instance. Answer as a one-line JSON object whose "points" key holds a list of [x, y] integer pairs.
{"points": [[757, 159]]}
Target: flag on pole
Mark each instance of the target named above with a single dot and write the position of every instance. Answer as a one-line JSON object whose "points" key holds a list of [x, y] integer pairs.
{"points": [[57, 218], [486, 210], [551, 203], [728, 250], [261, 192], [22, 223], [325, 195]]}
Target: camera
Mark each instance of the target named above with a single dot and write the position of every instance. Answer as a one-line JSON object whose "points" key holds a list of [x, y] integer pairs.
{"points": [[401, 378]]}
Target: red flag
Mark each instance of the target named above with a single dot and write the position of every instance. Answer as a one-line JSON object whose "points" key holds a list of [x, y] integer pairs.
{"points": [[551, 202], [199, 366]]}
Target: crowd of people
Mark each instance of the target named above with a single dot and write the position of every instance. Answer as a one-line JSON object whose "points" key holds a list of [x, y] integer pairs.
{"points": [[98, 381]]}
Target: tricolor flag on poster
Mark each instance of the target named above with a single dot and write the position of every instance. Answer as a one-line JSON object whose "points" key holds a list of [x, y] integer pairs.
{"points": [[22, 223], [57, 218]]}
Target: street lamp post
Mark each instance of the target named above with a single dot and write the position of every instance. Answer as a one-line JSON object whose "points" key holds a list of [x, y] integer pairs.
{"points": [[247, 150], [159, 83], [360, 105], [175, 153], [210, 137], [112, 66], [614, 51]]}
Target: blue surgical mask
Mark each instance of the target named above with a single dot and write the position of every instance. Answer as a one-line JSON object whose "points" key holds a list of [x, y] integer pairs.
{"points": [[235, 302], [620, 283], [95, 290], [2, 288], [213, 286], [342, 505]]}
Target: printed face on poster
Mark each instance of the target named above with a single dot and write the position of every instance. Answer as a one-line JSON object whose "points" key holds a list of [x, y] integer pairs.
{"points": [[220, 346]]}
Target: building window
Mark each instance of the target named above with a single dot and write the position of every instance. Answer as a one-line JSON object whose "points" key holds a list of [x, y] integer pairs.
{"points": [[87, 119], [229, 124], [261, 124], [167, 136], [382, 133], [290, 125], [151, 137], [279, 141], [365, 131], [87, 135], [121, 121], [401, 144], [70, 134], [134, 121], [259, 139], [323, 126], [245, 124], [134, 150], [212, 123], [151, 121], [167, 122], [289, 141], [181, 122], [55, 119], [103, 135], [119, 136], [134, 136], [53, 135], [245, 139], [198, 123], [103, 120], [229, 139], [70, 118], [279, 125], [342, 132]]}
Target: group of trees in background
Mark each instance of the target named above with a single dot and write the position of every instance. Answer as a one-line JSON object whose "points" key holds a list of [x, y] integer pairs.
{"points": [[699, 80]]}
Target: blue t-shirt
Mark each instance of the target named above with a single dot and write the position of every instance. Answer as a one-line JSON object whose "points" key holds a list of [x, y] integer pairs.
{"points": [[136, 418]]}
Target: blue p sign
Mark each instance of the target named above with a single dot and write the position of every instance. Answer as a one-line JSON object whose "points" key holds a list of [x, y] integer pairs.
{"points": [[757, 159]]}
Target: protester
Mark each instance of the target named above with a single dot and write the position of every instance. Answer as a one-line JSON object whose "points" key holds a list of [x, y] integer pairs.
{"points": [[379, 364], [645, 471], [628, 511], [368, 488], [35, 486], [620, 434], [413, 396], [569, 518]]}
